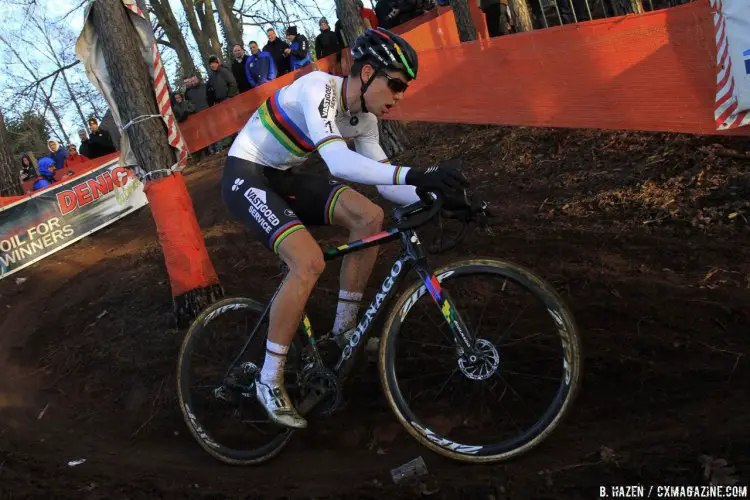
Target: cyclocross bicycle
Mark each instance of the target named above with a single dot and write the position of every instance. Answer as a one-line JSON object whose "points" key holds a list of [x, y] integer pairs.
{"points": [[450, 366]]}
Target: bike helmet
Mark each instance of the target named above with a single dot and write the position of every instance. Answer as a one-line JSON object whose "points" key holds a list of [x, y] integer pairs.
{"points": [[386, 49], [383, 49]]}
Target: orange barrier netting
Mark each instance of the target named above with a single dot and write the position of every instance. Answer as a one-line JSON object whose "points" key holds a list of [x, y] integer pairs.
{"points": [[185, 254], [653, 71]]}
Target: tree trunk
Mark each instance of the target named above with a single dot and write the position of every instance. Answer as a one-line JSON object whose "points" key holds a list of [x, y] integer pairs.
{"points": [[10, 181], [167, 20], [393, 138], [204, 46], [134, 95], [521, 15], [205, 11], [232, 28], [467, 32], [636, 6]]}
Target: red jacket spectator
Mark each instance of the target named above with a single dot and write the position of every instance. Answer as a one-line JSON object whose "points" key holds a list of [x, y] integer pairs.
{"points": [[74, 159], [369, 14]]}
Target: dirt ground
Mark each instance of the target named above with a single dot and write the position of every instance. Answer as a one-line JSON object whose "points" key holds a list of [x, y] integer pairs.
{"points": [[646, 236]]}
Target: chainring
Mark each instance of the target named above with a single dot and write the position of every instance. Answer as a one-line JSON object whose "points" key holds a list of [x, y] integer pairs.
{"points": [[320, 382]]}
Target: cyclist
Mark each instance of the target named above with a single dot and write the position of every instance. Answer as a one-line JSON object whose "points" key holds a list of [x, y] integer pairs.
{"points": [[261, 187]]}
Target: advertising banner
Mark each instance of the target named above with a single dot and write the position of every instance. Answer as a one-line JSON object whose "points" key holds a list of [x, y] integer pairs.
{"points": [[37, 227]]}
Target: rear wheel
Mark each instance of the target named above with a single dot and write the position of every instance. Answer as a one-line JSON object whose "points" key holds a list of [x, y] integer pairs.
{"points": [[505, 397], [218, 402]]}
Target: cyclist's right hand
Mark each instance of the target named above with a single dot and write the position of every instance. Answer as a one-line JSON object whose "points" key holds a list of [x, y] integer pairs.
{"points": [[442, 177]]}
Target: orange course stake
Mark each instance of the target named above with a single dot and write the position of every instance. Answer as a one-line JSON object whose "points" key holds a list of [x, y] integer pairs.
{"points": [[186, 258]]}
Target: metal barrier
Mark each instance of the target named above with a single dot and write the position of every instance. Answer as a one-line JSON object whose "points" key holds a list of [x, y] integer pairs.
{"points": [[548, 13]]}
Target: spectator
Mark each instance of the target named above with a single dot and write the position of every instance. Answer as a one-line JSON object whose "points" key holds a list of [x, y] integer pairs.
{"points": [[299, 49], [221, 80], [47, 169], [261, 67], [387, 13], [57, 154], [196, 92], [238, 68], [369, 16], [84, 137], [327, 42], [276, 47], [40, 183], [182, 107], [74, 159], [496, 16], [100, 142], [28, 171]]}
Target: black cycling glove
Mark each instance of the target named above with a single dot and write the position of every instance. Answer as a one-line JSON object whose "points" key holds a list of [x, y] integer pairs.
{"points": [[442, 177]]}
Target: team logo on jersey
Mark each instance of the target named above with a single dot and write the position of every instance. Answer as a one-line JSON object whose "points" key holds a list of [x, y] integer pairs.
{"points": [[237, 183], [354, 121], [327, 102], [289, 213], [333, 182]]}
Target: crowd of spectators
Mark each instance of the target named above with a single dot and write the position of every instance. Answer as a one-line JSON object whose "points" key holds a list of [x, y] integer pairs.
{"points": [[60, 162]]}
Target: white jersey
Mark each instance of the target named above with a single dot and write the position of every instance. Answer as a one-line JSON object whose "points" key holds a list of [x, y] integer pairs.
{"points": [[311, 114]]}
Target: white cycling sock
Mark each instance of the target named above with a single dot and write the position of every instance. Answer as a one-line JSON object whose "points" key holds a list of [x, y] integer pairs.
{"points": [[346, 311], [273, 365]]}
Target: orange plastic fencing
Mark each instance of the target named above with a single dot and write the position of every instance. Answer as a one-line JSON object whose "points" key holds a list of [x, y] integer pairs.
{"points": [[185, 254], [653, 71]]}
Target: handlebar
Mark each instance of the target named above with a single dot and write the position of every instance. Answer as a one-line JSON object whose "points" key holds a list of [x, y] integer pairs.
{"points": [[465, 209]]}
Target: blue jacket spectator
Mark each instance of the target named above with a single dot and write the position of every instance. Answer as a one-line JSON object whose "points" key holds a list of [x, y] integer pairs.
{"points": [[57, 154], [299, 49], [260, 66], [40, 183], [47, 169]]}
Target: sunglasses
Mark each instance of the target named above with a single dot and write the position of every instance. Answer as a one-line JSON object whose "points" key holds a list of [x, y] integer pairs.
{"points": [[397, 85]]}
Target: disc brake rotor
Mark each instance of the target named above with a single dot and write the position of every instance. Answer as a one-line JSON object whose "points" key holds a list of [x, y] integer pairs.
{"points": [[482, 363]]}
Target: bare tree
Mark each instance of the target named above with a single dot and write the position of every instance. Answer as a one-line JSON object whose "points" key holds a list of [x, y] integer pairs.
{"points": [[467, 32], [133, 92], [49, 104], [521, 15], [205, 11], [165, 16], [230, 23], [52, 54], [10, 181]]}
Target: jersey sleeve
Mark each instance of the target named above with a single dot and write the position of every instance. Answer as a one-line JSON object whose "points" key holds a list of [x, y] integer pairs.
{"points": [[319, 107], [367, 143]]}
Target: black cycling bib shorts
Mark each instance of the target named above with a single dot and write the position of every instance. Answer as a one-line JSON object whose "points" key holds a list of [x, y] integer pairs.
{"points": [[274, 203]]}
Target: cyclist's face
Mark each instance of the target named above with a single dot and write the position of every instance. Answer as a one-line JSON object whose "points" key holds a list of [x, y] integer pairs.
{"points": [[385, 91]]}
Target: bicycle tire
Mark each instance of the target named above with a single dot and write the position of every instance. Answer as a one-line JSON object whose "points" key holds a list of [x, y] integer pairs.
{"points": [[571, 347], [223, 453]]}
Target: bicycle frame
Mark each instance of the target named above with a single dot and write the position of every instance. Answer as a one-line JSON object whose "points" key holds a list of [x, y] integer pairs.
{"points": [[412, 257]]}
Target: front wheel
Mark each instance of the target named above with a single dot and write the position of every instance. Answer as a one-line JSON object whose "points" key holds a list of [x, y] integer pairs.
{"points": [[511, 391]]}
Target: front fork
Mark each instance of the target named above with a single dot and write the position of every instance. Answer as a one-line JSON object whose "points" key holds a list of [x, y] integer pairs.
{"points": [[462, 336]]}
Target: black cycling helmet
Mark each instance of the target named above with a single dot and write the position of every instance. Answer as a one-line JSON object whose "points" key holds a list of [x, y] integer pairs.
{"points": [[385, 49]]}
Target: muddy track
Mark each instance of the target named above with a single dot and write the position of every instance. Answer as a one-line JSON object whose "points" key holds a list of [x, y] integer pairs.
{"points": [[644, 235]]}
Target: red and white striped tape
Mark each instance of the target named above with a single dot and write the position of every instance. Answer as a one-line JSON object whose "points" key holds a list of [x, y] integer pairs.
{"points": [[726, 111], [161, 91]]}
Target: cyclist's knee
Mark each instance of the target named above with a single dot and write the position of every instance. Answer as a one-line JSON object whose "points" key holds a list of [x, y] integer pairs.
{"points": [[372, 218], [309, 265]]}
